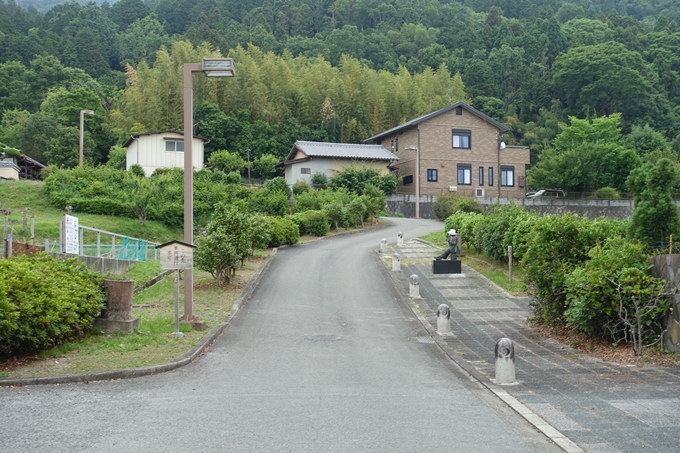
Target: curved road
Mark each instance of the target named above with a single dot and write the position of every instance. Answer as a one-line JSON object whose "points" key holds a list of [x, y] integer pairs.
{"points": [[322, 359]]}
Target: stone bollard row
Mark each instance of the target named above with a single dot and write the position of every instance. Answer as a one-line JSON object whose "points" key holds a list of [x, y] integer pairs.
{"points": [[383, 245], [400, 239]]}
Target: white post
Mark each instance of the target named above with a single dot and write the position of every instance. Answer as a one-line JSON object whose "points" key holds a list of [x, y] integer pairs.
{"points": [[32, 229], [400, 239], [510, 262], [176, 333], [505, 361], [414, 286], [443, 319], [396, 262], [383, 245]]}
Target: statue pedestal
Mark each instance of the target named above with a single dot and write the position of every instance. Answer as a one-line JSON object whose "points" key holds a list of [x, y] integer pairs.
{"points": [[446, 267]]}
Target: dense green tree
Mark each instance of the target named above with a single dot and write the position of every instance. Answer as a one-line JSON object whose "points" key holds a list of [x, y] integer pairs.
{"points": [[125, 12], [655, 215]]}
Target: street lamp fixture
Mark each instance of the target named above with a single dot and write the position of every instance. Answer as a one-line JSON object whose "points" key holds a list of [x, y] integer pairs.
{"points": [[211, 67], [82, 126], [415, 148]]}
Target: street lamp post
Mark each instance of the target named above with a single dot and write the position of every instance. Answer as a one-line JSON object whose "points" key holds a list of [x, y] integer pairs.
{"points": [[417, 150], [211, 67], [82, 127]]}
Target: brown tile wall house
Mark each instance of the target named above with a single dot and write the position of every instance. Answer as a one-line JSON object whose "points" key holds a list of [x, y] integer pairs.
{"points": [[437, 153]]}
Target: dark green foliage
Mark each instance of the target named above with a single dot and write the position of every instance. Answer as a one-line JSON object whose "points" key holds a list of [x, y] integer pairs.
{"points": [[320, 180], [335, 212], [616, 272], [465, 224], [137, 170], [45, 301], [268, 202], [490, 234], [283, 231], [314, 223], [655, 216], [278, 185], [557, 246], [355, 180], [444, 207], [300, 187], [448, 204]]}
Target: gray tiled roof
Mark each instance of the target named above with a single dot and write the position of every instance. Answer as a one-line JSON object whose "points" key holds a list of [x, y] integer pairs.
{"points": [[343, 150]]}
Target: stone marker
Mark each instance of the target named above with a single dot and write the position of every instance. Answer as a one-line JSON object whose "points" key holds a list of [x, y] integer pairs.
{"points": [[383, 245], [443, 319], [414, 286], [505, 361], [396, 262], [118, 313], [400, 239]]}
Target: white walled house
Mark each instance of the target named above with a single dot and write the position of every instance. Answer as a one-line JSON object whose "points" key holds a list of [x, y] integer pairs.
{"points": [[308, 158], [162, 149]]}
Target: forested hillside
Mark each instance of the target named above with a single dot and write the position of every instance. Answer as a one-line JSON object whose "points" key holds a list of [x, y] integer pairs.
{"points": [[335, 70]]}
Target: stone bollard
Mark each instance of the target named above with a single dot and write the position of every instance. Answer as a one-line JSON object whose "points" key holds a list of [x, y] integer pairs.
{"points": [[396, 262], [383, 245], [443, 319], [414, 286], [505, 361], [400, 239]]}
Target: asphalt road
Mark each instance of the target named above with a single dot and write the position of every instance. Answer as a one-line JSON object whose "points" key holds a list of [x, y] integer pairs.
{"points": [[323, 358]]}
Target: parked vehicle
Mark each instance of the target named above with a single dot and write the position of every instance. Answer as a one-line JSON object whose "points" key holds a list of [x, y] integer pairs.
{"points": [[546, 193]]}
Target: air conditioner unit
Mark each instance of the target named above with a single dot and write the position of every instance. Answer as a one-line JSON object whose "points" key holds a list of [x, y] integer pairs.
{"points": [[479, 192], [453, 188]]}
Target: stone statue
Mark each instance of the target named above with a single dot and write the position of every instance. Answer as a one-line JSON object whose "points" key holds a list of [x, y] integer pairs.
{"points": [[452, 240]]}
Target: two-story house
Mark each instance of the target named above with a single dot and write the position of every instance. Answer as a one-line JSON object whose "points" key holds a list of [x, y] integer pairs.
{"points": [[456, 149]]}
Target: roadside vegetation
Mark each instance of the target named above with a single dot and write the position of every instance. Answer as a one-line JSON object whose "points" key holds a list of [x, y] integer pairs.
{"points": [[590, 277]]}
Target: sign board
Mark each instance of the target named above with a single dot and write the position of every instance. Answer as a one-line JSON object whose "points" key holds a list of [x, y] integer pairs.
{"points": [[71, 235], [177, 255]]}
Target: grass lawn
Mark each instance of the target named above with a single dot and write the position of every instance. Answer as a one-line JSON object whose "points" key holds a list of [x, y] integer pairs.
{"points": [[492, 269], [152, 343], [15, 196]]}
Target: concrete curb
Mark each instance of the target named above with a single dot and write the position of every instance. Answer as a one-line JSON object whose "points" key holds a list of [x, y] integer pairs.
{"points": [[520, 408], [198, 350]]}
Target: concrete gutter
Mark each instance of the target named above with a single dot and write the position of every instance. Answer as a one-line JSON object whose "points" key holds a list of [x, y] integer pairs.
{"points": [[198, 350]]}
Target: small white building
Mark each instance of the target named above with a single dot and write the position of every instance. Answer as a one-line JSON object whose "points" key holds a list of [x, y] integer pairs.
{"points": [[308, 158], [162, 149]]}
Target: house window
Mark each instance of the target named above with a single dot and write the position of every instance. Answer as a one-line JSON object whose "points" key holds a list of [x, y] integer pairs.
{"points": [[461, 138], [306, 171], [392, 146], [459, 110], [408, 179], [432, 174], [508, 176], [481, 176], [465, 174], [172, 145], [490, 176], [396, 145]]}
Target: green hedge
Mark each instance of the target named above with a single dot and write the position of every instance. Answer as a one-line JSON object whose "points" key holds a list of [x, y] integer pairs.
{"points": [[45, 301], [283, 231]]}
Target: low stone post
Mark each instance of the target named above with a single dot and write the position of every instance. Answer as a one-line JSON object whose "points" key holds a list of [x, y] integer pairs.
{"points": [[505, 361], [400, 239], [414, 286], [118, 313], [383, 245], [396, 262], [443, 319]]}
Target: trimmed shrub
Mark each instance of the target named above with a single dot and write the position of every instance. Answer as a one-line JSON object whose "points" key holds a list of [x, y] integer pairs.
{"points": [[300, 186], [444, 207], [46, 301], [315, 223], [465, 224], [490, 234], [616, 272], [608, 193], [283, 231]]}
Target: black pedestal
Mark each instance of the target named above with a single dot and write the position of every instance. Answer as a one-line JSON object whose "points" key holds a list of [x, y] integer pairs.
{"points": [[446, 267]]}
